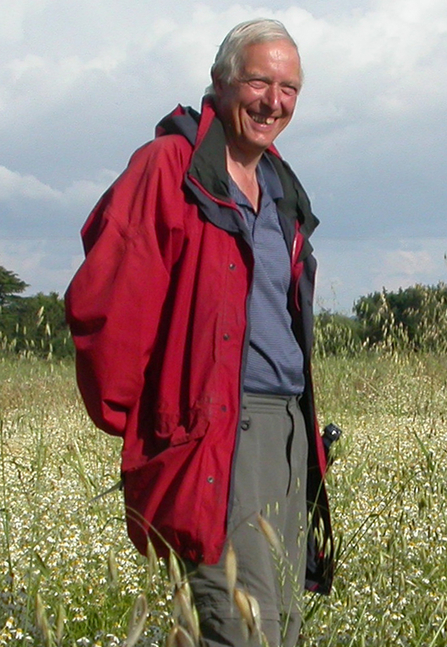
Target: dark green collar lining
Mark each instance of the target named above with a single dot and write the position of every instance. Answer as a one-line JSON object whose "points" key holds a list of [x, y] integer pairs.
{"points": [[208, 168], [208, 165]]}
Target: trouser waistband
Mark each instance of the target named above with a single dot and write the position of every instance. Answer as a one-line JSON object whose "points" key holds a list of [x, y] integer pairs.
{"points": [[272, 400]]}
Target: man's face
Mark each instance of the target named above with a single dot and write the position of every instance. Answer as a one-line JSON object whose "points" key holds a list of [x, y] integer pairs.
{"points": [[259, 103]]}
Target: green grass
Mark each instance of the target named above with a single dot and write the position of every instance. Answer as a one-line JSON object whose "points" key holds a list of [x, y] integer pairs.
{"points": [[56, 543], [387, 489]]}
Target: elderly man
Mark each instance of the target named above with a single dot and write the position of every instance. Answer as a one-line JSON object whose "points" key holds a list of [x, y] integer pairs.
{"points": [[192, 319]]}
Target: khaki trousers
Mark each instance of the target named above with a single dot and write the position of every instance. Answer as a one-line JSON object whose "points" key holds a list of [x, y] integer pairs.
{"points": [[269, 479]]}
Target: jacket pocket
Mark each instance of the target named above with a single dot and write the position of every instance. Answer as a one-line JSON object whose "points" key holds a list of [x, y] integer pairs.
{"points": [[171, 430], [172, 500]]}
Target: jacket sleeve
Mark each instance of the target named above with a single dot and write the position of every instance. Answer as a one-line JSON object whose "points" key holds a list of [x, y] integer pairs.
{"points": [[114, 302]]}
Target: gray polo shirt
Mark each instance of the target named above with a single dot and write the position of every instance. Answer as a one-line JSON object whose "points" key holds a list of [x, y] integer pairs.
{"points": [[275, 360]]}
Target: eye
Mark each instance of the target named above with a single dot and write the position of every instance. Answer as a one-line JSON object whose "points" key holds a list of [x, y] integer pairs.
{"points": [[289, 90], [257, 84]]}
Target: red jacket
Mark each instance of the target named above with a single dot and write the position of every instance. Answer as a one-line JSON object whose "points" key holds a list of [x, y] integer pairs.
{"points": [[158, 313]]}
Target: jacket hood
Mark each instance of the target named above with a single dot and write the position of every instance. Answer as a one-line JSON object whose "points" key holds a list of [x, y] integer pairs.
{"points": [[181, 121]]}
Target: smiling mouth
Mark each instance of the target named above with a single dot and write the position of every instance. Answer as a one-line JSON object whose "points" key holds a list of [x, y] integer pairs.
{"points": [[260, 119]]}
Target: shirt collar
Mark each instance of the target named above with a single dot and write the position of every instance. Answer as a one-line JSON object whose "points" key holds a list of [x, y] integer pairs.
{"points": [[267, 174]]}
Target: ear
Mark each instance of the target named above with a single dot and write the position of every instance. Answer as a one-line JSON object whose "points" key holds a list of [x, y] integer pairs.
{"points": [[218, 85]]}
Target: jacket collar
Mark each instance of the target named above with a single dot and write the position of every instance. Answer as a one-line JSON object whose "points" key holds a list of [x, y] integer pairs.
{"points": [[208, 170]]}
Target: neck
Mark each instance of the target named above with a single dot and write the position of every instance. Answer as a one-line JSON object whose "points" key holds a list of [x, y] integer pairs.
{"points": [[244, 174], [243, 160]]}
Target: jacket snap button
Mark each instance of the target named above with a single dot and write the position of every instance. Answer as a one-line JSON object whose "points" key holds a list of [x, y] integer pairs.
{"points": [[245, 424], [226, 336], [210, 479], [232, 266]]}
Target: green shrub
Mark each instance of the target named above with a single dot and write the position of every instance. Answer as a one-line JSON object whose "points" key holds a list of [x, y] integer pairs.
{"points": [[335, 334], [414, 318]]}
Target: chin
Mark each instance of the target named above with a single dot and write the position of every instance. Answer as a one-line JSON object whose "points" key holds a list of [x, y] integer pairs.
{"points": [[263, 145]]}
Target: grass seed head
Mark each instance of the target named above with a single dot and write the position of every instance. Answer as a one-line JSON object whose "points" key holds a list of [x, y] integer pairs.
{"points": [[256, 614], [112, 569], [42, 622], [231, 569], [152, 560], [271, 536], [60, 624], [184, 610], [179, 637], [175, 573], [137, 620], [172, 636], [243, 604]]}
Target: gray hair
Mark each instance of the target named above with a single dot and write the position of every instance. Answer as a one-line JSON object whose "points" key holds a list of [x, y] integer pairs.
{"points": [[229, 58]]}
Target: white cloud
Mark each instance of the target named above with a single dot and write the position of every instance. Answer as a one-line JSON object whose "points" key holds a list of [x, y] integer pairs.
{"points": [[14, 15], [83, 83], [384, 63], [14, 186], [360, 65], [349, 268], [45, 265], [87, 192], [406, 266]]}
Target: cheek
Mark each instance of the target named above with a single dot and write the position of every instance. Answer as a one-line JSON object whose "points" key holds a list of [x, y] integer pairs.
{"points": [[290, 107], [287, 116], [247, 97]]}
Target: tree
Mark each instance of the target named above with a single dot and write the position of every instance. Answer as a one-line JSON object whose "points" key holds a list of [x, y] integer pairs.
{"points": [[37, 324], [416, 316], [10, 286], [34, 324], [336, 334]]}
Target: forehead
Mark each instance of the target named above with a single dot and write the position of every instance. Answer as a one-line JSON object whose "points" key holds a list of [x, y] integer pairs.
{"points": [[271, 57]]}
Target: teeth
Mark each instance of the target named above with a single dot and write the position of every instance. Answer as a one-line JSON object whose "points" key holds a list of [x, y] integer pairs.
{"points": [[263, 120]]}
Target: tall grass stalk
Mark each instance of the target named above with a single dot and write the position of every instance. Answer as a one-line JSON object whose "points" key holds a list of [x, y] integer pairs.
{"points": [[387, 488]]}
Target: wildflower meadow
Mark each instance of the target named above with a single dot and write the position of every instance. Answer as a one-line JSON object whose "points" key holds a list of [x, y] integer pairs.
{"points": [[70, 577]]}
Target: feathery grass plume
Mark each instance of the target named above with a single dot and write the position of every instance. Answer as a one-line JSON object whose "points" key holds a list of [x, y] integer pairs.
{"points": [[179, 637], [244, 604], [171, 640], [153, 564], [175, 573], [40, 315], [256, 614], [60, 624], [196, 622], [184, 610], [42, 622], [112, 569], [231, 570], [271, 536], [137, 620]]}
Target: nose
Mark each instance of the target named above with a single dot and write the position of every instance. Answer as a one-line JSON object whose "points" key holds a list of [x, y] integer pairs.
{"points": [[272, 96]]}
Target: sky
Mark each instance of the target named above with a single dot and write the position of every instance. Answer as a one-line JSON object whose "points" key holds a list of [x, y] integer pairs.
{"points": [[83, 84]]}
